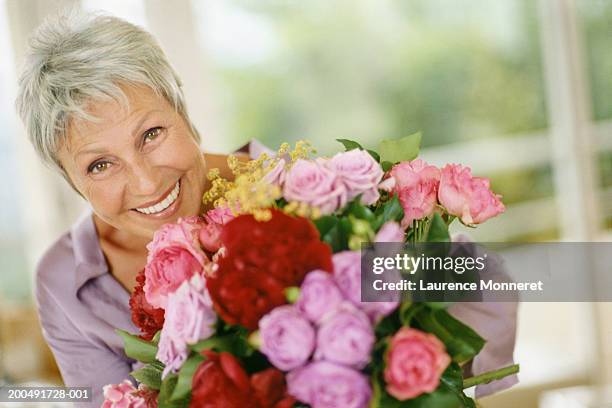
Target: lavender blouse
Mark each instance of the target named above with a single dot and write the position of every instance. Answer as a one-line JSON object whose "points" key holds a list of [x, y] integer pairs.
{"points": [[80, 304]]}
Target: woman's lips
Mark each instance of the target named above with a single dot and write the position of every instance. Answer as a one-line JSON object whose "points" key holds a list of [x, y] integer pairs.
{"points": [[165, 207]]}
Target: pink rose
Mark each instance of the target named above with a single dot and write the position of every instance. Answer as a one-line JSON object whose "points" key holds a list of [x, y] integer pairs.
{"points": [[467, 197], [312, 183], [391, 231], [276, 175], [359, 172], [414, 363], [174, 256], [189, 316], [125, 395], [416, 185], [214, 219]]}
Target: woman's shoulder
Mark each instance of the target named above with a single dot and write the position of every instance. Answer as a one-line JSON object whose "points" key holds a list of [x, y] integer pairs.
{"points": [[57, 268]]}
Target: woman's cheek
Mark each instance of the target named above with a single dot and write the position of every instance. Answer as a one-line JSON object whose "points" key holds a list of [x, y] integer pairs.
{"points": [[106, 198]]}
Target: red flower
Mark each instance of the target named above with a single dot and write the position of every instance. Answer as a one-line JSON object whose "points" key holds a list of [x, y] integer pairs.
{"points": [[270, 389], [221, 382], [262, 259], [146, 317]]}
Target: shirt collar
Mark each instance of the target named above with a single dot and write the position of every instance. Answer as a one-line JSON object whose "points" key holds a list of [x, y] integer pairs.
{"points": [[90, 261]]}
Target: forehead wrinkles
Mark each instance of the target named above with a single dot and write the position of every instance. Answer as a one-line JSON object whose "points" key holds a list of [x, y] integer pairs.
{"points": [[106, 116]]}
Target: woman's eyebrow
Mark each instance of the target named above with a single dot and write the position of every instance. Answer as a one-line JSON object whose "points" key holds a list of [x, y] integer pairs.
{"points": [[138, 128], [136, 132], [93, 150]]}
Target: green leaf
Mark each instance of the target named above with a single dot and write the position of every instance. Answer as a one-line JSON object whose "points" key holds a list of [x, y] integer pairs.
{"points": [[374, 155], [462, 343], [390, 211], [183, 385], [388, 326], [408, 311], [349, 144], [438, 305], [149, 375], [397, 150], [386, 165], [358, 210], [165, 392], [334, 231], [137, 348], [452, 378], [438, 230], [443, 397], [325, 223], [232, 343]]}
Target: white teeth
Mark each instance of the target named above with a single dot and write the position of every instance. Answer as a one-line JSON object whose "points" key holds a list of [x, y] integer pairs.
{"points": [[165, 203]]}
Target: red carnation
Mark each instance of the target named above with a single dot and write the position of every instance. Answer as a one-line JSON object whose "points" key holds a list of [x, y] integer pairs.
{"points": [[220, 381], [146, 317], [262, 259]]}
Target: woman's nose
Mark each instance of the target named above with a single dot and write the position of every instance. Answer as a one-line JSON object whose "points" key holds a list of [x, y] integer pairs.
{"points": [[144, 179]]}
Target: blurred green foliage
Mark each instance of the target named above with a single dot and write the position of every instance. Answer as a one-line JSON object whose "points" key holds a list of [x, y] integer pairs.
{"points": [[366, 70], [596, 24], [370, 70]]}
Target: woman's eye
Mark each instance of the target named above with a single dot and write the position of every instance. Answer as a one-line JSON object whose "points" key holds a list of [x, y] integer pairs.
{"points": [[151, 134], [98, 167]]}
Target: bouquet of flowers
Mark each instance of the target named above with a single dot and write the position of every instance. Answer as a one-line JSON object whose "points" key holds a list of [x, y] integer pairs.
{"points": [[258, 302]]}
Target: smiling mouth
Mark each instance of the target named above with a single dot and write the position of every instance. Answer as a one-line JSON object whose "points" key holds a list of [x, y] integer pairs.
{"points": [[163, 203]]}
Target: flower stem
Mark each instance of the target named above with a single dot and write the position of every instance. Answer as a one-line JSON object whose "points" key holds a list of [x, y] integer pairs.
{"points": [[489, 376]]}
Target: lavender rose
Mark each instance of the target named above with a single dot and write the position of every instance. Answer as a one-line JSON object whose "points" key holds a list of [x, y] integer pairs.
{"points": [[318, 295], [189, 316], [346, 337], [327, 385], [347, 274], [359, 172], [287, 338], [276, 175], [312, 183], [172, 354]]}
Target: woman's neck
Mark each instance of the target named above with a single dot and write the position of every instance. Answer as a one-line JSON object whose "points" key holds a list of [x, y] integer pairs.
{"points": [[118, 238]]}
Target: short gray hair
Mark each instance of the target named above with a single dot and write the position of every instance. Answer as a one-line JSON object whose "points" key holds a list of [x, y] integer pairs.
{"points": [[75, 58]]}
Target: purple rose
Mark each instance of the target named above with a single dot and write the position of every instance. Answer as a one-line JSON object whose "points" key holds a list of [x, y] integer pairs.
{"points": [[310, 182], [318, 295], [189, 315], [171, 353], [346, 337], [347, 274], [287, 338], [359, 172], [327, 385]]}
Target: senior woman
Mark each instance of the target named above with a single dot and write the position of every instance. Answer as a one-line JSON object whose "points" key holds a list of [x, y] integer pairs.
{"points": [[103, 106]]}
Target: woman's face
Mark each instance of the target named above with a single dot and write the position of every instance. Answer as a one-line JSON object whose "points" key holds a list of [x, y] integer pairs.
{"points": [[139, 166]]}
